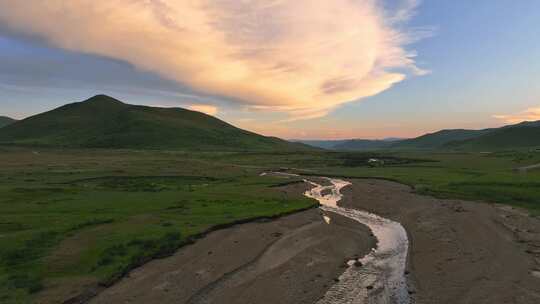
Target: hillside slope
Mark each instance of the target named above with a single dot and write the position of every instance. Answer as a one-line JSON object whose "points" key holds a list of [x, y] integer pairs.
{"points": [[523, 135], [104, 122], [4, 121], [439, 139]]}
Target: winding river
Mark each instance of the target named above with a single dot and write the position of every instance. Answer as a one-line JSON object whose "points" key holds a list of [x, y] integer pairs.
{"points": [[379, 277]]}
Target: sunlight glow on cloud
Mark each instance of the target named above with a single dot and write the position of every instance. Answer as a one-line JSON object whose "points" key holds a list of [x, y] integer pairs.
{"points": [[301, 57], [207, 109], [531, 114]]}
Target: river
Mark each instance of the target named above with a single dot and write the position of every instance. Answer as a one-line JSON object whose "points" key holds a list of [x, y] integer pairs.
{"points": [[379, 277]]}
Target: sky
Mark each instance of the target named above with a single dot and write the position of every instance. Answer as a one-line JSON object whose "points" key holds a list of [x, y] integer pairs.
{"points": [[303, 69]]}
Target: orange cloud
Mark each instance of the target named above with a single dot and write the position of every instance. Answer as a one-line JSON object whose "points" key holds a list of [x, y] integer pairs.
{"points": [[303, 57], [531, 114], [207, 109]]}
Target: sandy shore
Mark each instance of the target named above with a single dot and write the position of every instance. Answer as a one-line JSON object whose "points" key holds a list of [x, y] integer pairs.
{"points": [[460, 252], [294, 259]]}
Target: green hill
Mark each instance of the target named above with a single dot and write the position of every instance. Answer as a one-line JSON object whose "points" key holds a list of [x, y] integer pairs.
{"points": [[523, 135], [104, 122], [4, 121], [439, 139]]}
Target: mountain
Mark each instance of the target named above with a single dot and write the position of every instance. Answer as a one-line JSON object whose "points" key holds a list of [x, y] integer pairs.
{"points": [[324, 144], [525, 124], [367, 144], [439, 139], [350, 144], [522, 135], [4, 121], [104, 122]]}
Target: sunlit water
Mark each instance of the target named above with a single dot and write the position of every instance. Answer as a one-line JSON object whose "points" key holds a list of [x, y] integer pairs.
{"points": [[380, 275]]}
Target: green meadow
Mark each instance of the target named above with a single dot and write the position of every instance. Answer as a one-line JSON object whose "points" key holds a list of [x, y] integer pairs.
{"points": [[474, 176], [84, 218], [490, 177], [74, 219]]}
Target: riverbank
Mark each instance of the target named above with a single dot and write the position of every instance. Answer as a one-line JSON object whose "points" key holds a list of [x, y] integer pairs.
{"points": [[293, 259], [460, 251], [75, 221]]}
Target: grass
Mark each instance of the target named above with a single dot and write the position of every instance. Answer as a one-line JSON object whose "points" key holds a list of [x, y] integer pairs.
{"points": [[490, 177], [70, 218], [76, 218], [473, 176]]}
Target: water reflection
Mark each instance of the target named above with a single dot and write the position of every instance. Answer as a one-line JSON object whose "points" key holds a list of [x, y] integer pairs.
{"points": [[379, 277]]}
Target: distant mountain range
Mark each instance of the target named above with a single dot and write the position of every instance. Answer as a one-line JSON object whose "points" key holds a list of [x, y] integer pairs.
{"points": [[522, 135], [105, 122], [4, 121], [367, 144], [324, 144], [351, 144]]}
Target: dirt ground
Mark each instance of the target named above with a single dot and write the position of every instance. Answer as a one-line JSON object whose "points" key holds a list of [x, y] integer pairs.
{"points": [[293, 259], [460, 252]]}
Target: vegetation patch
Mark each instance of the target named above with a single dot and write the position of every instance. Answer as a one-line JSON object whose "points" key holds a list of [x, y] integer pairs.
{"points": [[91, 223], [144, 183], [80, 223], [375, 159], [31, 249], [135, 253], [30, 283], [102, 213]]}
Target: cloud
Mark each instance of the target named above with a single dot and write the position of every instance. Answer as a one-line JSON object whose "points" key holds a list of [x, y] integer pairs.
{"points": [[207, 109], [531, 114], [302, 57]]}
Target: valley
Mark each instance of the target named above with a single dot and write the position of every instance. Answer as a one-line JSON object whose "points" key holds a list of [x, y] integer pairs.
{"points": [[77, 221], [269, 152], [99, 214]]}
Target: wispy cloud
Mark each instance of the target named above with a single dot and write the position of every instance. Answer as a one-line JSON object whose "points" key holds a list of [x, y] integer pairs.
{"points": [[531, 114], [303, 57], [405, 10], [207, 109]]}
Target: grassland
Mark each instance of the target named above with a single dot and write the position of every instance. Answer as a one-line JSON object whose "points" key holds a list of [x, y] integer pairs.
{"points": [[74, 219], [491, 177], [70, 220], [473, 176]]}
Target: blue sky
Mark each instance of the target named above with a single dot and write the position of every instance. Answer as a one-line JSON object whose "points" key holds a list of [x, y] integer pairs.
{"points": [[482, 57], [484, 60]]}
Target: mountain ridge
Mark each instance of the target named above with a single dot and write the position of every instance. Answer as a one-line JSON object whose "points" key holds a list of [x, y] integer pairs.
{"points": [[525, 134], [105, 122], [350, 144], [522, 135]]}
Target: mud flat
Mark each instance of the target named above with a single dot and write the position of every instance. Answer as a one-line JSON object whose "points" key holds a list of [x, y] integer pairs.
{"points": [[460, 252], [294, 259]]}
